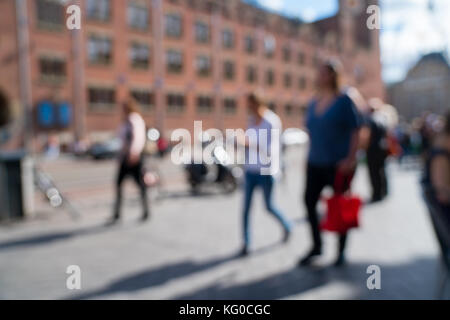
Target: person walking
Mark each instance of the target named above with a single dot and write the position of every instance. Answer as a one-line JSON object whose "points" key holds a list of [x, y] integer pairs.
{"points": [[377, 153], [133, 136], [333, 124], [262, 139], [437, 169]]}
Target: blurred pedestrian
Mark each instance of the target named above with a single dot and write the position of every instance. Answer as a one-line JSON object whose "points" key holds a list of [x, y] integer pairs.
{"points": [[377, 153], [52, 147], [437, 169], [260, 173], [163, 146], [5, 111], [425, 137], [133, 136], [333, 124]]}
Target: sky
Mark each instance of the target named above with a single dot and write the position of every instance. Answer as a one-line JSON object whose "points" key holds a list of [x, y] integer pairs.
{"points": [[409, 28]]}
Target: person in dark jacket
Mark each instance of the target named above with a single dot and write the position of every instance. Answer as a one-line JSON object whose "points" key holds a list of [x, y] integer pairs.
{"points": [[377, 153]]}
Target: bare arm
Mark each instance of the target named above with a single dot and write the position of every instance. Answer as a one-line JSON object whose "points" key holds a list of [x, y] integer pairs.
{"points": [[354, 143], [349, 163]]}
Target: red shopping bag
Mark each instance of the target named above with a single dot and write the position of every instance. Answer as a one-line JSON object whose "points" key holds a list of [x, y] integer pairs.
{"points": [[342, 213], [342, 208]]}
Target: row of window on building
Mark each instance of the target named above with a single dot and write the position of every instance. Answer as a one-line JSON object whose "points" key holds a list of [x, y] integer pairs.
{"points": [[52, 67], [50, 12], [104, 99]]}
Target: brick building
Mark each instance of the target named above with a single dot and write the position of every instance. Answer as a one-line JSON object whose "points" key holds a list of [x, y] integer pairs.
{"points": [[183, 60]]}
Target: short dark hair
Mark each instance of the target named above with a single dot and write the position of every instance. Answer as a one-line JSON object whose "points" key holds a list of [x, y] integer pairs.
{"points": [[334, 66], [131, 105], [257, 97]]}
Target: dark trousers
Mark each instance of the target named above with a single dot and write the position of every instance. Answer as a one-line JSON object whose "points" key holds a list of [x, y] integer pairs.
{"points": [[136, 172], [318, 178], [377, 173]]}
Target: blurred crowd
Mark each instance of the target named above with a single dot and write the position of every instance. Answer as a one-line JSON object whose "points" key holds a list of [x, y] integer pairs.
{"points": [[343, 129]]}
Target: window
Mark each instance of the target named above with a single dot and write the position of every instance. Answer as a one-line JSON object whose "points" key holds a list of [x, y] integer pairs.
{"points": [[301, 58], [101, 98], [51, 67], [316, 61], [289, 110], [50, 13], [230, 106], [203, 66], [99, 49], [144, 98], [228, 39], [286, 54], [228, 70], [251, 74], [287, 80], [249, 44], [174, 61], [270, 77], [98, 9], [173, 26], [302, 83], [205, 105], [269, 47], [202, 32], [139, 56], [175, 103], [138, 16]]}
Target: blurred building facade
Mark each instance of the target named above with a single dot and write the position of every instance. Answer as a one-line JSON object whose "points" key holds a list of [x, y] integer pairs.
{"points": [[183, 60], [426, 88]]}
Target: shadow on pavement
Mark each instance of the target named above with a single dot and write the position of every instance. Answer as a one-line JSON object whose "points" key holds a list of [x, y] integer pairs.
{"points": [[190, 194], [414, 280], [153, 277], [52, 237]]}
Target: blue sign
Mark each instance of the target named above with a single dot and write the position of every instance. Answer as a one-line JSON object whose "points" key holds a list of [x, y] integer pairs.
{"points": [[45, 114], [64, 115], [54, 115]]}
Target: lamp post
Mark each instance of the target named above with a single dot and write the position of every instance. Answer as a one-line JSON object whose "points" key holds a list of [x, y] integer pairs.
{"points": [[159, 65], [79, 98], [216, 22], [23, 45]]}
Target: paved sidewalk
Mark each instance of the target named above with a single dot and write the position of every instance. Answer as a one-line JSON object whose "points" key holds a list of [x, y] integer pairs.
{"points": [[187, 249]]}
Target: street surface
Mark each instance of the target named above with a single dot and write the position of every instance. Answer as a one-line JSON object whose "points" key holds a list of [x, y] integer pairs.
{"points": [[187, 250]]}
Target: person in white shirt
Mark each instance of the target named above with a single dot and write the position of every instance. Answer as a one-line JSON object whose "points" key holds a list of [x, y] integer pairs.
{"points": [[262, 142], [133, 136]]}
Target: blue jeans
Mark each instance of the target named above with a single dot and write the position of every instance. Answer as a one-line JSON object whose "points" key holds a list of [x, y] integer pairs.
{"points": [[253, 180]]}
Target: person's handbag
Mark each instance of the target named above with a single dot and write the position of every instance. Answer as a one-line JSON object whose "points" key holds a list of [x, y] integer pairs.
{"points": [[342, 208]]}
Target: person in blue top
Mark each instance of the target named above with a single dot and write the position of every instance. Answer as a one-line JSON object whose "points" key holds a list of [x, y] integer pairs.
{"points": [[333, 124]]}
